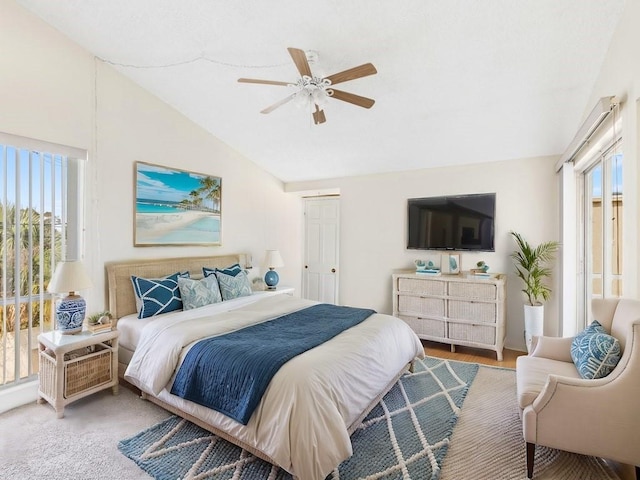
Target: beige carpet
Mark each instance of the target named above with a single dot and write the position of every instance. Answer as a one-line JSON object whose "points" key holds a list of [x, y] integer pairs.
{"points": [[486, 443]]}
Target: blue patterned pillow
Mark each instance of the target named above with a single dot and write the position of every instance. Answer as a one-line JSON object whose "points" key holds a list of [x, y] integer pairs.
{"points": [[594, 352], [233, 286], [198, 293], [232, 270], [157, 295]]}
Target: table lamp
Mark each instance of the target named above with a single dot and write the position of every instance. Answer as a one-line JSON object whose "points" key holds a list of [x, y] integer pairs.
{"points": [[273, 260], [69, 277]]}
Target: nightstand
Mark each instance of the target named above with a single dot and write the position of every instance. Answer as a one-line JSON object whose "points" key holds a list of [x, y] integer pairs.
{"points": [[283, 290], [74, 366]]}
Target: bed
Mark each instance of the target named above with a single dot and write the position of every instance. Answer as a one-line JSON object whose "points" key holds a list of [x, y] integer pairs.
{"points": [[312, 404]]}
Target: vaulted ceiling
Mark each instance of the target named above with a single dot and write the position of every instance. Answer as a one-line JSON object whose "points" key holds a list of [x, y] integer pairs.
{"points": [[458, 81]]}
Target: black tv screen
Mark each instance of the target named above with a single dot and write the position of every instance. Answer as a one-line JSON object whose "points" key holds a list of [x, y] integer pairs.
{"points": [[460, 222]]}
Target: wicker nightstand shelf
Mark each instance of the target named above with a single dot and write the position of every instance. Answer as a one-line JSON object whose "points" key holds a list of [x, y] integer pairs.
{"points": [[74, 366]]}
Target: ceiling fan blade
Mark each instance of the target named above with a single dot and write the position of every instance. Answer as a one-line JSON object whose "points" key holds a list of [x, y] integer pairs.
{"points": [[265, 82], [300, 59], [353, 98], [318, 116], [278, 104], [353, 73]]}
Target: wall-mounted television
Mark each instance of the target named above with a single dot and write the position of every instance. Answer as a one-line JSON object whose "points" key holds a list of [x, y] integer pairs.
{"points": [[453, 222]]}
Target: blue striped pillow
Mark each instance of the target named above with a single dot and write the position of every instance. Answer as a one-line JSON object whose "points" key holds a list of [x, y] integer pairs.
{"points": [[594, 352]]}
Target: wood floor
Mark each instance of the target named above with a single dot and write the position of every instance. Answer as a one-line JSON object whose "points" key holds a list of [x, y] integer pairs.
{"points": [[469, 354]]}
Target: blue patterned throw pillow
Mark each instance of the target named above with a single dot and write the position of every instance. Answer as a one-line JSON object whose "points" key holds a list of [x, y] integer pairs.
{"points": [[157, 295], [594, 352], [232, 270], [233, 286], [198, 293]]}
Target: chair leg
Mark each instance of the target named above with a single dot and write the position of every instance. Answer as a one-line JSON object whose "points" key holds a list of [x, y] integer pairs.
{"points": [[531, 450]]}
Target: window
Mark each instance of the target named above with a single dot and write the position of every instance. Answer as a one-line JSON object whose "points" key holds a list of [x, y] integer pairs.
{"points": [[603, 204], [592, 213], [40, 212]]}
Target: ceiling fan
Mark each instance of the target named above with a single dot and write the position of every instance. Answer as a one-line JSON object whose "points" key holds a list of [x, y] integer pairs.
{"points": [[315, 91]]}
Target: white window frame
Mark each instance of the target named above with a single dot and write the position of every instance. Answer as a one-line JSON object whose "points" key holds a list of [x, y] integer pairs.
{"points": [[593, 138], [72, 245]]}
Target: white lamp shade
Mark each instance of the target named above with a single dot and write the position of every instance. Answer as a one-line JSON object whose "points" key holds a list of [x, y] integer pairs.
{"points": [[273, 259], [69, 277]]}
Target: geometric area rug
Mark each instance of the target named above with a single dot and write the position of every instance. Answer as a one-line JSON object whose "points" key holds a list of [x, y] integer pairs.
{"points": [[405, 436]]}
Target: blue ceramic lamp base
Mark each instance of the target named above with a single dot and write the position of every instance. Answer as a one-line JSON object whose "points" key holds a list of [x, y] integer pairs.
{"points": [[70, 314], [271, 278]]}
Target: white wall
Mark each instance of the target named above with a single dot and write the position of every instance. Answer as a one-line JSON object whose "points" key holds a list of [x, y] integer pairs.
{"points": [[373, 227], [53, 90]]}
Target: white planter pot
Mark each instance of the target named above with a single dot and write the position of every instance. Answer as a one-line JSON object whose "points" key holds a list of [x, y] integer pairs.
{"points": [[533, 323]]}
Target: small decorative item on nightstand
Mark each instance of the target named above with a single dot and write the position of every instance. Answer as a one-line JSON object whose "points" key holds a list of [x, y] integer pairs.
{"points": [[99, 322], [69, 277], [273, 260]]}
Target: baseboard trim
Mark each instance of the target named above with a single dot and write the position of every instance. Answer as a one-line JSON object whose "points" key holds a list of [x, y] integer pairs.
{"points": [[18, 395]]}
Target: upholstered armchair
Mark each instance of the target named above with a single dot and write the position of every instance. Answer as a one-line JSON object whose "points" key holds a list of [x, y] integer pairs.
{"points": [[598, 417]]}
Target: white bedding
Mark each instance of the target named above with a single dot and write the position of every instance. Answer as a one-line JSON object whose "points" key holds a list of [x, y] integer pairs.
{"points": [[303, 418], [131, 327]]}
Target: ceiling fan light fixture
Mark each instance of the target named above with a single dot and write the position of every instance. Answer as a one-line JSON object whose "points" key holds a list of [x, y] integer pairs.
{"points": [[302, 98], [313, 91]]}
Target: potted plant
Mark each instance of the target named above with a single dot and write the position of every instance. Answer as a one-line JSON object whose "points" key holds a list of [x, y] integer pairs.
{"points": [[533, 266]]}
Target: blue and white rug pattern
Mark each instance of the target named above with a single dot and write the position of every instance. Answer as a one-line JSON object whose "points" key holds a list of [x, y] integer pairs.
{"points": [[405, 436]]}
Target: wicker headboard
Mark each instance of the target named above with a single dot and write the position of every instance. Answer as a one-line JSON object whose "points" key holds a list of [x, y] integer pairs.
{"points": [[120, 289]]}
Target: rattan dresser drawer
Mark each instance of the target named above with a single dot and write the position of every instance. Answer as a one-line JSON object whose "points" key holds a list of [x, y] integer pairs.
{"points": [[473, 311], [426, 326], [472, 333], [421, 305], [423, 286], [475, 290]]}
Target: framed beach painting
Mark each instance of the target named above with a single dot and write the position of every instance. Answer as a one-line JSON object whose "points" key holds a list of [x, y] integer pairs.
{"points": [[176, 207]]}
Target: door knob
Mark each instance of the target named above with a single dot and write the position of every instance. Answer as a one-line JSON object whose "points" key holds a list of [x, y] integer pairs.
{"points": [[333, 270]]}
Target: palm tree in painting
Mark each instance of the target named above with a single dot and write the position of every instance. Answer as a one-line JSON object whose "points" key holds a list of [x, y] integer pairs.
{"points": [[210, 189]]}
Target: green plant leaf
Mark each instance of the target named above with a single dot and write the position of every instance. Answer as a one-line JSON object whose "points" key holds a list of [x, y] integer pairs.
{"points": [[533, 266]]}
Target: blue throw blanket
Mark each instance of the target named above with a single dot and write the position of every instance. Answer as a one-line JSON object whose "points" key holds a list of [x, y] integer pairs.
{"points": [[230, 373]]}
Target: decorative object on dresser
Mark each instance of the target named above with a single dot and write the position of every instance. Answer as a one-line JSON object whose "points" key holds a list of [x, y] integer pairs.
{"points": [[482, 269], [450, 263], [427, 267], [533, 266], [273, 260], [72, 367], [454, 309], [69, 277]]}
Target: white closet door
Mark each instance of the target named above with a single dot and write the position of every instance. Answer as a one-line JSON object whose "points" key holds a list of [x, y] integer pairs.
{"points": [[321, 251]]}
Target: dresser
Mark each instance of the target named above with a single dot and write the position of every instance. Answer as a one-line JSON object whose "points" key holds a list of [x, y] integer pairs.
{"points": [[456, 309]]}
